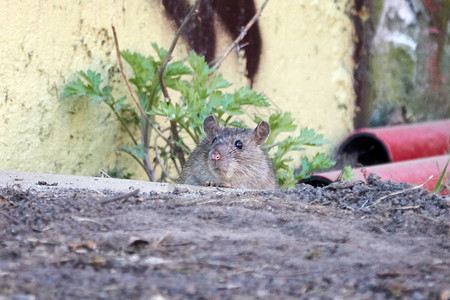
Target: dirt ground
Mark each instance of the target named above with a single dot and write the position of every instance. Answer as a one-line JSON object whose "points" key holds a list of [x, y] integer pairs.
{"points": [[351, 240]]}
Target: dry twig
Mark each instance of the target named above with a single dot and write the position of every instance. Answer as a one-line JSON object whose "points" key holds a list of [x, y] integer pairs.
{"points": [[400, 192], [104, 174], [81, 219], [125, 77], [119, 197], [406, 207], [218, 61]]}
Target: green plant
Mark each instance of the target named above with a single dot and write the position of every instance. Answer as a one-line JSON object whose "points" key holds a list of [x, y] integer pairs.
{"points": [[347, 173], [116, 173], [440, 185], [202, 93]]}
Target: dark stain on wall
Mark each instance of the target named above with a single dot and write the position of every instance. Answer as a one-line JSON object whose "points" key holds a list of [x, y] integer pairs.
{"points": [[199, 33], [234, 15]]}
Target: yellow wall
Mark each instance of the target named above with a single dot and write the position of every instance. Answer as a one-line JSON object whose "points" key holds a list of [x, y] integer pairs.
{"points": [[305, 68]]}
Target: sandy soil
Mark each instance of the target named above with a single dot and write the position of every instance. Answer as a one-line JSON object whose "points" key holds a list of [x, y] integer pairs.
{"points": [[351, 240]]}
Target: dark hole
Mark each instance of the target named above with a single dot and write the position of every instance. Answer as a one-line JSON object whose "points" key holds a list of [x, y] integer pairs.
{"points": [[316, 181], [364, 149]]}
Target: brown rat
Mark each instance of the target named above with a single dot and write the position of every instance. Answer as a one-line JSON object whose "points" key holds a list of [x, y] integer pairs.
{"points": [[230, 157]]}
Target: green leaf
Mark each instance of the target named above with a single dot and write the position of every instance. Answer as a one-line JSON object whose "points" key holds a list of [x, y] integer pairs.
{"points": [[177, 69], [96, 98], [279, 123], [217, 99], [106, 91], [245, 96], [89, 87], [217, 82], [440, 181], [120, 104], [161, 52], [93, 79], [199, 65], [75, 88], [119, 173], [286, 179], [309, 137], [320, 161], [347, 173], [143, 67], [137, 151]]}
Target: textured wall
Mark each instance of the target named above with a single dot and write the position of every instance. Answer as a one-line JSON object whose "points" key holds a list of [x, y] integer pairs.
{"points": [[305, 67]]}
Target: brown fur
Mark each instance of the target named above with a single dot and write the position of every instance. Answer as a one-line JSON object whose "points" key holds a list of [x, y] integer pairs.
{"points": [[246, 168]]}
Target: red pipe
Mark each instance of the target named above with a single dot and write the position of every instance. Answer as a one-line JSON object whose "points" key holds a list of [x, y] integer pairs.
{"points": [[371, 146], [416, 172]]}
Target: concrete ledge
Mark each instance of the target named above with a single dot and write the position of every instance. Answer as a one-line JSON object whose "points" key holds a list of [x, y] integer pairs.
{"points": [[40, 181]]}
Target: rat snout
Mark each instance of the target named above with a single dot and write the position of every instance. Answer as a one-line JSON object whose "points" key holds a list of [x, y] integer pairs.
{"points": [[215, 155]]}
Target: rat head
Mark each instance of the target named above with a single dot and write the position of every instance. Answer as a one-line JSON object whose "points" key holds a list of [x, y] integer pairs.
{"points": [[234, 152]]}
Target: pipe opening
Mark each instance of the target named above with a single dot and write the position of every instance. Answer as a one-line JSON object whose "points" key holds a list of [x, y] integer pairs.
{"points": [[365, 149], [316, 181]]}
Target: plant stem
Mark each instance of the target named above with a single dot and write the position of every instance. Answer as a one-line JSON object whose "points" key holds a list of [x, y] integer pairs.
{"points": [[149, 174], [191, 134], [178, 150], [146, 145], [153, 93], [161, 163], [146, 164], [124, 125]]}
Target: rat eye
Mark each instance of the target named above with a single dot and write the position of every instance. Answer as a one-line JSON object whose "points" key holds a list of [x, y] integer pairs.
{"points": [[214, 139], [238, 144]]}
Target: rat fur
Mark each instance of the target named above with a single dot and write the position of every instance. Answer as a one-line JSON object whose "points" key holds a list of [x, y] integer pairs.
{"points": [[230, 157]]}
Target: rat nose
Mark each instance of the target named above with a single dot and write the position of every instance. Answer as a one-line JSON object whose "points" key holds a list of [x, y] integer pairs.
{"points": [[215, 156]]}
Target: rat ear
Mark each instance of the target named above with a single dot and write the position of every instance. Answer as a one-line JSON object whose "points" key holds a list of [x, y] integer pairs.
{"points": [[210, 126], [261, 132]]}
